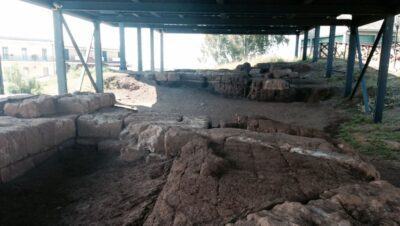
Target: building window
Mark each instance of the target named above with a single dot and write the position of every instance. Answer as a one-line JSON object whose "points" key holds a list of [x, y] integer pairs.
{"points": [[44, 54], [45, 71], [24, 53], [5, 53]]}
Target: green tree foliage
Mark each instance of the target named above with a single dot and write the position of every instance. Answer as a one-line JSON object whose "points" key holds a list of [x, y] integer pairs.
{"points": [[231, 48], [17, 83]]}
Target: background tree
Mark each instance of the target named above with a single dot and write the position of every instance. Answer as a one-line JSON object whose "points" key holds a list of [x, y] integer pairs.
{"points": [[230, 48]]}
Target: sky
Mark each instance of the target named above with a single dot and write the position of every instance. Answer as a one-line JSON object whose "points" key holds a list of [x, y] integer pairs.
{"points": [[20, 19]]}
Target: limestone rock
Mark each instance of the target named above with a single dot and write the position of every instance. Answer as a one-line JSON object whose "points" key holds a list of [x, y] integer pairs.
{"points": [[221, 174], [35, 107], [151, 117], [275, 84], [106, 123], [375, 203], [21, 140], [82, 103], [158, 136]]}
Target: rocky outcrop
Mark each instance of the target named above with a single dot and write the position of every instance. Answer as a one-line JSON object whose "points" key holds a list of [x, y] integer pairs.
{"points": [[375, 203], [221, 175], [267, 125], [157, 137]]}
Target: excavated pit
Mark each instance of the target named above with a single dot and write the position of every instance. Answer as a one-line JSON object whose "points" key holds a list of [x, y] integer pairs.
{"points": [[79, 160]]}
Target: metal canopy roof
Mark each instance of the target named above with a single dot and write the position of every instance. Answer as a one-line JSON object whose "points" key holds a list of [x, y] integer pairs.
{"points": [[227, 16]]}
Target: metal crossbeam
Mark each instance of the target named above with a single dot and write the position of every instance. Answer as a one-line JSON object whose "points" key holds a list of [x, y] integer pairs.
{"points": [[132, 21], [266, 9], [366, 65], [232, 31], [78, 52], [82, 75]]}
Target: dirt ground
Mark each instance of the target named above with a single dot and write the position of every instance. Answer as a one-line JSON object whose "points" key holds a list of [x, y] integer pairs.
{"points": [[199, 102], [326, 115], [82, 186]]}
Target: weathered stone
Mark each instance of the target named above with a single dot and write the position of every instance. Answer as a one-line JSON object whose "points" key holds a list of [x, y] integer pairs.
{"points": [[106, 123], [152, 117], [275, 84], [21, 139], [375, 203], [84, 102], [267, 125], [151, 136], [221, 174], [34, 107]]}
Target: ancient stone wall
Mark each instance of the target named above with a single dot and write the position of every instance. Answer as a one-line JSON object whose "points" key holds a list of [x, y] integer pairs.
{"points": [[36, 127], [279, 82]]}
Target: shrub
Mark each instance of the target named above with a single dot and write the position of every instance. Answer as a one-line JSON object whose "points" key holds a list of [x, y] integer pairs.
{"points": [[17, 83]]}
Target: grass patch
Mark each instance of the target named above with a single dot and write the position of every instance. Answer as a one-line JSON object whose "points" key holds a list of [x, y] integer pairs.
{"points": [[369, 138]]}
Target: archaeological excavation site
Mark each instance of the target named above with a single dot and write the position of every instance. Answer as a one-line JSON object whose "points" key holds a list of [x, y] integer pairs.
{"points": [[311, 141]]}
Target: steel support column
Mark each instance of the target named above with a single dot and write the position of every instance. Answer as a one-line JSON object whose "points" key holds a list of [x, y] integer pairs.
{"points": [[1, 79], [331, 50], [305, 45], [139, 49], [361, 66], [98, 57], [59, 52], [151, 49], [316, 44], [296, 51], [161, 50], [350, 61], [387, 40], [122, 59]]}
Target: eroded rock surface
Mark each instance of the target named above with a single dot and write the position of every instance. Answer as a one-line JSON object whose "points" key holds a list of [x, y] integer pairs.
{"points": [[154, 137], [103, 124], [221, 175], [374, 203], [82, 103], [35, 107]]}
